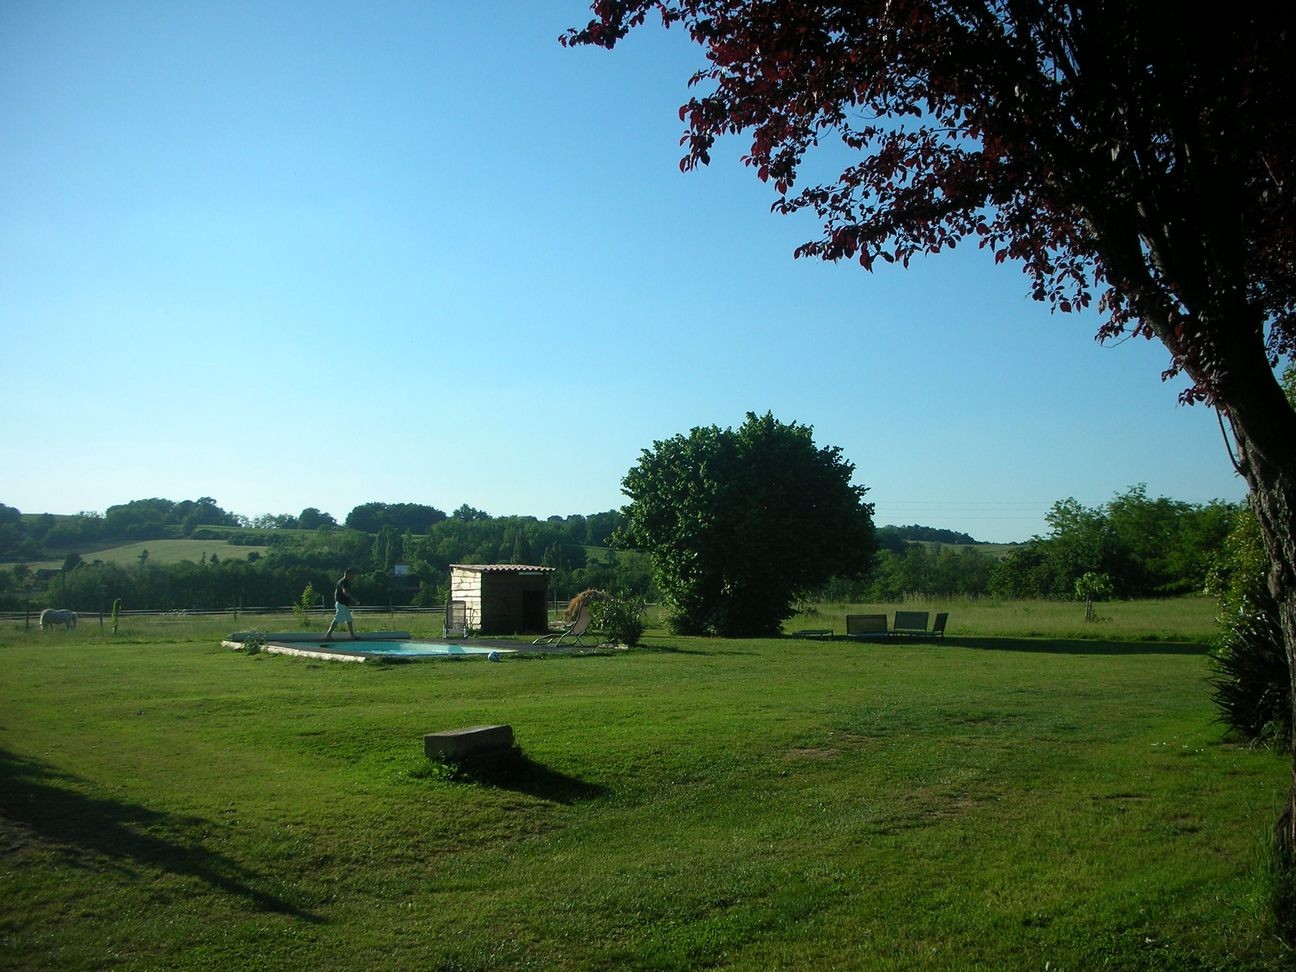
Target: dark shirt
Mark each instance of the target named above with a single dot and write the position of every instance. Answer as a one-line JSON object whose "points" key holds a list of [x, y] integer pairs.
{"points": [[342, 593]]}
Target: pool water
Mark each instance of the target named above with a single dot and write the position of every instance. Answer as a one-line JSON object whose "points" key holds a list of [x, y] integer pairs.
{"points": [[408, 649]]}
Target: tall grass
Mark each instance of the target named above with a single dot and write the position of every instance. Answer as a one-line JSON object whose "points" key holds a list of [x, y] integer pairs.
{"points": [[1169, 619]]}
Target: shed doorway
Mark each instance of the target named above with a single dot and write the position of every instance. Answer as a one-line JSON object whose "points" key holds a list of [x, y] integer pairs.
{"points": [[535, 611]]}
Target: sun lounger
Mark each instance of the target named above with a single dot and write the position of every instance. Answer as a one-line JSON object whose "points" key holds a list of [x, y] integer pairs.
{"points": [[574, 630], [456, 620], [910, 623], [866, 625]]}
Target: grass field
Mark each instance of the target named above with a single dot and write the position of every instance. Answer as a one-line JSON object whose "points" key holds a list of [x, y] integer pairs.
{"points": [[989, 802], [1168, 619], [161, 552]]}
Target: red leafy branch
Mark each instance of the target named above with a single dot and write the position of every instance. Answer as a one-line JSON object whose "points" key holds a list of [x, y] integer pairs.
{"points": [[1106, 147]]}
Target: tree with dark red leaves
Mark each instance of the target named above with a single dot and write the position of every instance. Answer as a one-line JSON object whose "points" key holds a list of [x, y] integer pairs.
{"points": [[1136, 157]]}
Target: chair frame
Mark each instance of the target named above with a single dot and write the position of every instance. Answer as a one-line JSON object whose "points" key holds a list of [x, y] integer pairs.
{"points": [[578, 626], [452, 627]]}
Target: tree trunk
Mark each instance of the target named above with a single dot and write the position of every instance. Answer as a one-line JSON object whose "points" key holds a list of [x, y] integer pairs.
{"points": [[1264, 425], [1274, 502]]}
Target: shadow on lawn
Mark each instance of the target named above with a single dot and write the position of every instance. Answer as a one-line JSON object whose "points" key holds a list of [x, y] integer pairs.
{"points": [[514, 770], [677, 650], [1075, 646], [40, 799]]}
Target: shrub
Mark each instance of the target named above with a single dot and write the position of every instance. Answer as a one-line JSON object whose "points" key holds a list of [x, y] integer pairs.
{"points": [[1250, 685], [1251, 681], [620, 618], [303, 605]]}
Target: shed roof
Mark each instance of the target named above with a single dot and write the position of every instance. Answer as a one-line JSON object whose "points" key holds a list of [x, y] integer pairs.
{"points": [[504, 568]]}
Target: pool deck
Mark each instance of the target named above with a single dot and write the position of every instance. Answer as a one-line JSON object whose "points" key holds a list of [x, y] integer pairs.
{"points": [[310, 645]]}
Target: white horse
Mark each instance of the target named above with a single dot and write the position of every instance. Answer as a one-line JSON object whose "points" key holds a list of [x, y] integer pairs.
{"points": [[51, 616]]}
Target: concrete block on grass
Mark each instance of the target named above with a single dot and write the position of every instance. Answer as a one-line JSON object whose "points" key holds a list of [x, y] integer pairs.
{"points": [[455, 744]]}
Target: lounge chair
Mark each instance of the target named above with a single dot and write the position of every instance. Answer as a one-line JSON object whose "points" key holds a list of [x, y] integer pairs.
{"points": [[813, 633], [938, 626], [866, 626], [574, 629], [910, 623], [456, 620]]}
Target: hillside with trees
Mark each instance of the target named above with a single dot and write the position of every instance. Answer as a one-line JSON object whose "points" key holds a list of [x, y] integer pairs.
{"points": [[1142, 546], [377, 536], [1147, 546]]}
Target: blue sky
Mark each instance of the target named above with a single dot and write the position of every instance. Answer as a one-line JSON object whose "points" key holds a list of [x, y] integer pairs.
{"points": [[288, 254]]}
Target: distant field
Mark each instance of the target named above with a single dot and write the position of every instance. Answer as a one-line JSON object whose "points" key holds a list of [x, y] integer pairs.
{"points": [[162, 552]]}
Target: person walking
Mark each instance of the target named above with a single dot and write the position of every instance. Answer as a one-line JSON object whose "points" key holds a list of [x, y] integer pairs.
{"points": [[345, 602]]}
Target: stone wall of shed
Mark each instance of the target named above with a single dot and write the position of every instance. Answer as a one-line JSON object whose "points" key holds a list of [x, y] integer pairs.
{"points": [[466, 586]]}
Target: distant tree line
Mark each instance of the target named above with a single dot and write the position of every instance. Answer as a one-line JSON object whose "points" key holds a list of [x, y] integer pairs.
{"points": [[897, 534], [308, 519], [1146, 546], [31, 537], [917, 569]]}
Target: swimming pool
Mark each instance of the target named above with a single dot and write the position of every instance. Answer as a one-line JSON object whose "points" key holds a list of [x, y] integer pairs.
{"points": [[395, 646], [405, 649]]}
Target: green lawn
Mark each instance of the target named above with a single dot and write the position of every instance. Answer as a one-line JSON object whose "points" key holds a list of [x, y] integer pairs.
{"points": [[174, 551], [990, 802], [160, 552]]}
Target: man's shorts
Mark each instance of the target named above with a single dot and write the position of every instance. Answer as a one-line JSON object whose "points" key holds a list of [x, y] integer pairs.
{"points": [[343, 615]]}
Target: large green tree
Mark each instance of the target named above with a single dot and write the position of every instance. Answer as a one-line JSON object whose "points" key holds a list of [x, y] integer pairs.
{"points": [[740, 522]]}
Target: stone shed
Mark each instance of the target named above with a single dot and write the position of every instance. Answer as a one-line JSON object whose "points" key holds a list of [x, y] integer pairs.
{"points": [[502, 598]]}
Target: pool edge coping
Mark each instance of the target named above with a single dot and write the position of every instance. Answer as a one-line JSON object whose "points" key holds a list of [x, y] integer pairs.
{"points": [[360, 655]]}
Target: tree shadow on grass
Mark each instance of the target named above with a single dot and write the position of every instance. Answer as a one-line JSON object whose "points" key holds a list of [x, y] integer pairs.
{"points": [[514, 770], [40, 800], [1073, 646], [707, 651]]}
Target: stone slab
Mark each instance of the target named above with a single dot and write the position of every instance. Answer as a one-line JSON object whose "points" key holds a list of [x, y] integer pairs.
{"points": [[472, 741]]}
